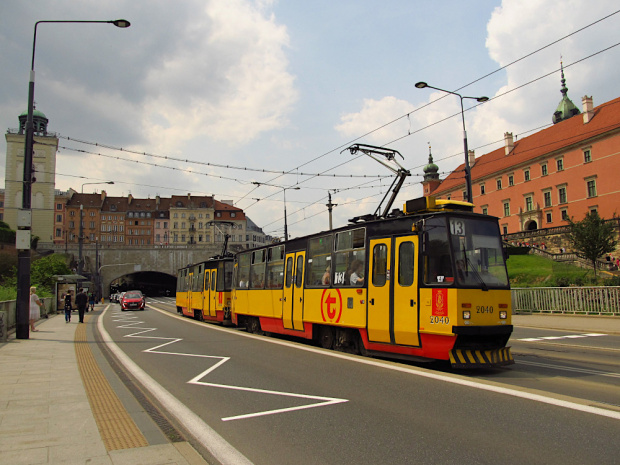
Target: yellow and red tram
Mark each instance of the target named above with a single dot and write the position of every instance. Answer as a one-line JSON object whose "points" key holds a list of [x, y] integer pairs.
{"points": [[429, 282], [204, 290]]}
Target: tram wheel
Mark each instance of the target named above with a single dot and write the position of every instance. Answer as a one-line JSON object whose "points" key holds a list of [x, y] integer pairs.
{"points": [[253, 326], [327, 337]]}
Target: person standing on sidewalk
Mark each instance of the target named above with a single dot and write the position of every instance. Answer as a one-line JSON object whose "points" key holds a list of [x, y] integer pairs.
{"points": [[91, 302], [81, 300], [35, 308], [68, 307]]}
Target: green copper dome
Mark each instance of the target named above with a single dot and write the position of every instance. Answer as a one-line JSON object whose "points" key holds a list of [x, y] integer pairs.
{"points": [[35, 114], [566, 108]]}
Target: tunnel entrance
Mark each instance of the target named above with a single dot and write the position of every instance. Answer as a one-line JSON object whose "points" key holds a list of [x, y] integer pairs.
{"points": [[151, 283]]}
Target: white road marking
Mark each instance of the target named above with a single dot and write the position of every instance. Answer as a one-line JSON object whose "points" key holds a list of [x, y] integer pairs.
{"points": [[213, 442], [454, 379], [549, 338], [324, 401]]}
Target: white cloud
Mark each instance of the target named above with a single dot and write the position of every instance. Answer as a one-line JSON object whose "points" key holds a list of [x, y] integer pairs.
{"points": [[374, 114], [237, 70]]}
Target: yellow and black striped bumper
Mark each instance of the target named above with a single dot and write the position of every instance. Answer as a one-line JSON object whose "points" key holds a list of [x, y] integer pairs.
{"points": [[481, 358]]}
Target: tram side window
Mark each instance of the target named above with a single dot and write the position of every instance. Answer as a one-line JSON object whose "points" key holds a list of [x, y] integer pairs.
{"points": [[197, 279], [213, 280], [243, 270], [379, 265], [180, 280], [406, 264], [318, 270], [437, 260], [257, 273], [275, 267], [349, 253], [224, 276]]}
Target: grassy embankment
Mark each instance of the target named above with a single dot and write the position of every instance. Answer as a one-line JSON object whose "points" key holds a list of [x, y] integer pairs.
{"points": [[536, 271]]}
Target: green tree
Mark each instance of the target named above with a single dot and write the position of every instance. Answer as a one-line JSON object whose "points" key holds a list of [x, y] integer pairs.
{"points": [[592, 236], [42, 271]]}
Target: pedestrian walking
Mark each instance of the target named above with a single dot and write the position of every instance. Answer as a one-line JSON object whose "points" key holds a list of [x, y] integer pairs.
{"points": [[68, 307], [81, 300], [91, 301], [35, 308]]}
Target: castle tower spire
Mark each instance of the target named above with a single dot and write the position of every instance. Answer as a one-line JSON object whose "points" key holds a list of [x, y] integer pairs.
{"points": [[566, 108]]}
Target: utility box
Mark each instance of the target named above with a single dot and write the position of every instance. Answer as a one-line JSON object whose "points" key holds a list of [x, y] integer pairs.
{"points": [[22, 239], [24, 218]]}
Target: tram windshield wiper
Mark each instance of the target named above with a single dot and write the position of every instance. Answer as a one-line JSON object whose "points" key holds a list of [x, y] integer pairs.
{"points": [[475, 273]]}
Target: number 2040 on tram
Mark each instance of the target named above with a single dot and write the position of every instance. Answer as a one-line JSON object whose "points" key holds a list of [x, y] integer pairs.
{"points": [[427, 283]]}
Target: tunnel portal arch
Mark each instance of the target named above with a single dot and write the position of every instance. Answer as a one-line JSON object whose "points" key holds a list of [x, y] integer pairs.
{"points": [[151, 283]]}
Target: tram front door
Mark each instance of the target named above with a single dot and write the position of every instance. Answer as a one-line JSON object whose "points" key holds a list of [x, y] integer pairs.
{"points": [[293, 304], [393, 291]]}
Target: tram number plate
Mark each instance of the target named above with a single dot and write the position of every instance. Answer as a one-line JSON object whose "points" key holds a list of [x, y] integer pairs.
{"points": [[484, 309], [440, 320]]}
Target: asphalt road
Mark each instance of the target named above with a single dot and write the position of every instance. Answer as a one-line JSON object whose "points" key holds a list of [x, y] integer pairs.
{"points": [[278, 402]]}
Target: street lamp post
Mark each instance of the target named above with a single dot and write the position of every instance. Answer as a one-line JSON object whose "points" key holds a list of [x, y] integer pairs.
{"points": [[422, 85], [23, 256], [102, 182], [284, 189]]}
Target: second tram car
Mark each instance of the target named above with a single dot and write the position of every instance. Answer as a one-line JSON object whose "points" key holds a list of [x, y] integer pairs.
{"points": [[204, 290], [428, 283]]}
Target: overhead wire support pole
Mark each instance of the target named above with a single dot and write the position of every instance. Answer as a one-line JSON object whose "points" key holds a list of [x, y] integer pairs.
{"points": [[401, 173]]}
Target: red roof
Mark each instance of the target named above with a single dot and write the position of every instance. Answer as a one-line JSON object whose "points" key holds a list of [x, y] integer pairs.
{"points": [[558, 138]]}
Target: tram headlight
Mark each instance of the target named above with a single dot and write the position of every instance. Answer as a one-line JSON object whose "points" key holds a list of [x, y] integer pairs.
{"points": [[466, 314], [503, 315]]}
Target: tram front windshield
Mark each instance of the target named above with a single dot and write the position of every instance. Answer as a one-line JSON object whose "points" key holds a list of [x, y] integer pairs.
{"points": [[465, 251]]}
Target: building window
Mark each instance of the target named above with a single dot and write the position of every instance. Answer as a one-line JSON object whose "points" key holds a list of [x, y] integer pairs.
{"points": [[482, 189], [543, 169], [511, 180], [233, 214], [58, 218], [587, 156], [564, 213], [593, 210], [485, 210], [592, 188], [505, 229], [526, 174], [562, 197], [529, 203], [560, 162], [499, 184], [175, 225], [465, 195], [506, 208], [58, 206], [549, 217], [547, 197]]}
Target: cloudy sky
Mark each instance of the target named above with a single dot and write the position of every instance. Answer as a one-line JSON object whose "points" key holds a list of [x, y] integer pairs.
{"points": [[211, 96]]}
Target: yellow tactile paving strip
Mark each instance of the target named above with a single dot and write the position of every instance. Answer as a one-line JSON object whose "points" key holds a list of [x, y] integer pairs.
{"points": [[116, 427]]}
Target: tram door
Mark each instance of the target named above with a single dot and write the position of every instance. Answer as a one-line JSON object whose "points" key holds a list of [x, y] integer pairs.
{"points": [[393, 291], [213, 294], [205, 295], [293, 304]]}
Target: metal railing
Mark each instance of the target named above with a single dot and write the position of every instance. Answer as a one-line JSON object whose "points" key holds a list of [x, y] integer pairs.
{"points": [[603, 300]]}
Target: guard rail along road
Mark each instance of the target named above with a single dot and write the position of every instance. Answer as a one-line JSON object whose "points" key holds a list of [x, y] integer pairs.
{"points": [[603, 300]]}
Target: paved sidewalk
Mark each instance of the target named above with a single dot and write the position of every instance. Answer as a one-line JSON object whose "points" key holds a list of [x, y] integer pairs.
{"points": [[588, 324], [46, 416]]}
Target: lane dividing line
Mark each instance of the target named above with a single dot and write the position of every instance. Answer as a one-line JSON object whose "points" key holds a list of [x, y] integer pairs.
{"points": [[323, 401], [203, 433], [420, 372]]}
